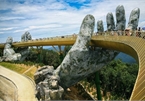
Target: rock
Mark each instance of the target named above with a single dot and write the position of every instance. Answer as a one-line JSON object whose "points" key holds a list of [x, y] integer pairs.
{"points": [[56, 94], [42, 73], [120, 18], [9, 53], [47, 84], [110, 22], [68, 89], [9, 40], [133, 19], [100, 26], [26, 36]]}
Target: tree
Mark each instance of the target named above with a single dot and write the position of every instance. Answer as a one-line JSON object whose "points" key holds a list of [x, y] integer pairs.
{"points": [[1, 52], [66, 49], [118, 78], [44, 56]]}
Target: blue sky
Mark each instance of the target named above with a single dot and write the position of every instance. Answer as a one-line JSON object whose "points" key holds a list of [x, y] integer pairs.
{"points": [[48, 18]]}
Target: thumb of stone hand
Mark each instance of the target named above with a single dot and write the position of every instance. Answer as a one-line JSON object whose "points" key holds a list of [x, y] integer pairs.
{"points": [[76, 60]]}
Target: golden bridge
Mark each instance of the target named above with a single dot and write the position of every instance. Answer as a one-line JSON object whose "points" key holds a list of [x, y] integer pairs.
{"points": [[133, 45]]}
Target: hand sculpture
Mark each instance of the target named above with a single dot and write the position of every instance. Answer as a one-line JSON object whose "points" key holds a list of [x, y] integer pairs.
{"points": [[24, 51], [9, 54], [26, 36], [81, 61]]}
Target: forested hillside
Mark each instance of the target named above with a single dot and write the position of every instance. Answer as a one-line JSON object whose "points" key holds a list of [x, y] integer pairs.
{"points": [[43, 57]]}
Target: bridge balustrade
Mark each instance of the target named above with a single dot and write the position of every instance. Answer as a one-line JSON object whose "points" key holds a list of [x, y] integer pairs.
{"points": [[139, 34], [123, 33]]}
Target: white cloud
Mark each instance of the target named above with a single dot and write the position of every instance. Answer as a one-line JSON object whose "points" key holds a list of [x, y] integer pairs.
{"points": [[38, 27], [4, 18], [76, 1], [1, 32], [26, 9], [7, 29], [57, 18], [142, 24]]}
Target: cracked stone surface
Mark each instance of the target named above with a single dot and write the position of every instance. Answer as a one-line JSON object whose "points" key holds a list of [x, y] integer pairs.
{"points": [[24, 51], [100, 26], [110, 22], [47, 84], [120, 18], [81, 61], [9, 53], [26, 36], [133, 19]]}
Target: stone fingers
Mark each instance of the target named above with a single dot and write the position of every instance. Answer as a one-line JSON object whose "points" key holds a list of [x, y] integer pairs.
{"points": [[87, 26], [120, 18], [86, 31], [134, 18], [81, 44]]}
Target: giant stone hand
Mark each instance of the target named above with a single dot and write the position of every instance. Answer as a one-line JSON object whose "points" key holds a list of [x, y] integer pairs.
{"points": [[24, 51], [9, 53], [26, 36], [81, 61]]}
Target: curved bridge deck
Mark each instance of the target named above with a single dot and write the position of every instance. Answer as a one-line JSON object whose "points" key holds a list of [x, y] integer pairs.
{"points": [[131, 45]]}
